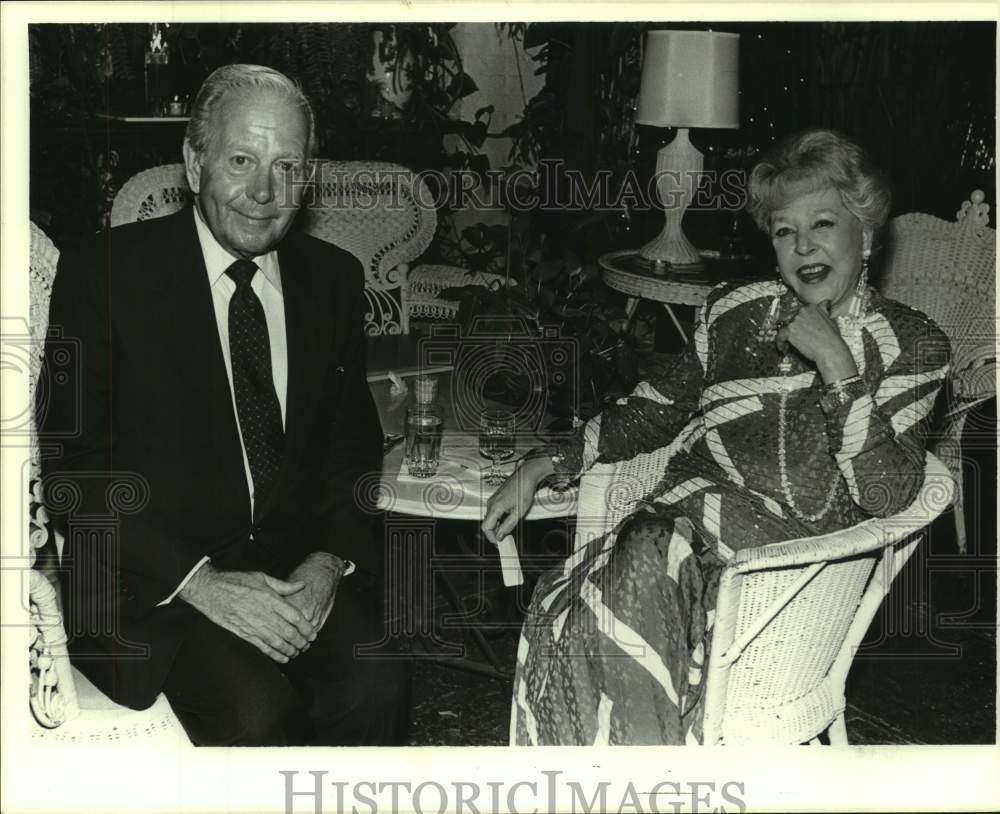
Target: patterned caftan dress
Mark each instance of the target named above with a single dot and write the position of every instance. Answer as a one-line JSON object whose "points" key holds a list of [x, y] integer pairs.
{"points": [[615, 640]]}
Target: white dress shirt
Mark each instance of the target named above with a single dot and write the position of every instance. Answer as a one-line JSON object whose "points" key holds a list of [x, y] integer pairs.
{"points": [[267, 287]]}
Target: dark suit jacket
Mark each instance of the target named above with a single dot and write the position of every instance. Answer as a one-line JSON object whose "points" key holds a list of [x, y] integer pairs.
{"points": [[153, 452]]}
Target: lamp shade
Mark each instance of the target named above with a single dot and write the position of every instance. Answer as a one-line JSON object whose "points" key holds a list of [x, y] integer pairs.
{"points": [[690, 79]]}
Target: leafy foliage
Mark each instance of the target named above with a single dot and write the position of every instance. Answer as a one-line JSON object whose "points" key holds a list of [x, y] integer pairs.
{"points": [[549, 258], [548, 285]]}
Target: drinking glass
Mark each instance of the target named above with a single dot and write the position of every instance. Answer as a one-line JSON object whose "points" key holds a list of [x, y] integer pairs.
{"points": [[424, 427], [496, 442]]}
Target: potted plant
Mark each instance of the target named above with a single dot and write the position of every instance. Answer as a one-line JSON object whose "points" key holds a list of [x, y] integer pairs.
{"points": [[549, 291]]}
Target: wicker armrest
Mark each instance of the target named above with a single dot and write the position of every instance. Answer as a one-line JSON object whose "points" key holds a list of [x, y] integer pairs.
{"points": [[935, 496], [425, 284], [429, 279], [53, 694]]}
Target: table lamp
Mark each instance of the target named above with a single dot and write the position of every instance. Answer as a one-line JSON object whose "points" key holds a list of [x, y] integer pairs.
{"points": [[689, 79]]}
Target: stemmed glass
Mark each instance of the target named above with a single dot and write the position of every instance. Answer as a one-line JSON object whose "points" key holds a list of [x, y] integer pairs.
{"points": [[496, 442]]}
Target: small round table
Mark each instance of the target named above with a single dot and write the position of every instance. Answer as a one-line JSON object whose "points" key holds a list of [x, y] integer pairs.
{"points": [[448, 496], [455, 492], [625, 271]]}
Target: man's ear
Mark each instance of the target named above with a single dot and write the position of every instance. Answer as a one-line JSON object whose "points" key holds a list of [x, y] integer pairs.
{"points": [[192, 166]]}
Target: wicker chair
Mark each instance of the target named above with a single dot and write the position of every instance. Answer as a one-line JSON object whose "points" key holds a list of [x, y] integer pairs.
{"points": [[426, 283], [381, 213], [376, 212], [948, 271], [68, 707], [789, 616]]}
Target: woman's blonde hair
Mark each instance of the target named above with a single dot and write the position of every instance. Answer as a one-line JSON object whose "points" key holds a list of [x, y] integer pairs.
{"points": [[813, 160]]}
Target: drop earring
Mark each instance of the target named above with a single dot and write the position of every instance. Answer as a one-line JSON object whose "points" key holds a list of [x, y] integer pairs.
{"points": [[861, 292], [769, 327]]}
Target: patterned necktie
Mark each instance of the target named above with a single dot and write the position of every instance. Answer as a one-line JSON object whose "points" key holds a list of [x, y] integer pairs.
{"points": [[253, 385]]}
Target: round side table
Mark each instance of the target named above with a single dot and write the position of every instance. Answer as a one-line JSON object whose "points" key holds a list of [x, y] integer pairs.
{"points": [[625, 271]]}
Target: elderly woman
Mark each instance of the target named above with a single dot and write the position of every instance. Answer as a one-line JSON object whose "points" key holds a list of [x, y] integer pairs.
{"points": [[798, 409]]}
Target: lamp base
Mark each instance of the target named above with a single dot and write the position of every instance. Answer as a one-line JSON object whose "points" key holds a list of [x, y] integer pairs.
{"points": [[678, 168], [675, 254]]}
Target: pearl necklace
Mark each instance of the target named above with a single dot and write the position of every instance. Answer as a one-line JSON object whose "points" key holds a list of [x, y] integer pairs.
{"points": [[852, 322], [786, 487]]}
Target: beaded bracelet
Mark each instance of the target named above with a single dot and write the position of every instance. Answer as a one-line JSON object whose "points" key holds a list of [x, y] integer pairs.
{"points": [[838, 393], [559, 479]]}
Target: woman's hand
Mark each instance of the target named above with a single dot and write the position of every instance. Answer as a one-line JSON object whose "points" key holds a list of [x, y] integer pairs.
{"points": [[511, 501], [814, 334]]}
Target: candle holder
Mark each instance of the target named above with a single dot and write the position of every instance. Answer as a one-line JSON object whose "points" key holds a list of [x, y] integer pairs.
{"points": [[158, 83], [179, 105]]}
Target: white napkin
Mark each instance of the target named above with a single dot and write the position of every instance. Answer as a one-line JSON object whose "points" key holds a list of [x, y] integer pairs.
{"points": [[510, 564]]}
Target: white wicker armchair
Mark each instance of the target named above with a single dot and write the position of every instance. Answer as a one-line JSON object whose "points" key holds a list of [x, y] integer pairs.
{"points": [[382, 213], [789, 616], [68, 707], [948, 271]]}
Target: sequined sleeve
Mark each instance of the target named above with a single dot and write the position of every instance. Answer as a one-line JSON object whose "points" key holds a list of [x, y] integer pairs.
{"points": [[649, 417], [877, 430]]}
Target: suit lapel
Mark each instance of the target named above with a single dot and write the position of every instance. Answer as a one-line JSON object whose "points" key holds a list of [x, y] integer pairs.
{"points": [[294, 269], [199, 351]]}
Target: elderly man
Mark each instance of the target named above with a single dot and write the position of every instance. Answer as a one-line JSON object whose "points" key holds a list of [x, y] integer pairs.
{"points": [[221, 361]]}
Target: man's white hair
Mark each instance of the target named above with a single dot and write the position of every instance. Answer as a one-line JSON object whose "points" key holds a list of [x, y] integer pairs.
{"points": [[239, 77]]}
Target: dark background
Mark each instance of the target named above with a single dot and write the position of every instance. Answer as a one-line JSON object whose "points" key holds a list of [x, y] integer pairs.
{"points": [[919, 96]]}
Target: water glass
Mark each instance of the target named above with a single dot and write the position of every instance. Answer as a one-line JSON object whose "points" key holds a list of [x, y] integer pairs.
{"points": [[424, 428]]}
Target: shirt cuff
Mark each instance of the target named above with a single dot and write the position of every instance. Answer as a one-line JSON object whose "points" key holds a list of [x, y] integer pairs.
{"points": [[184, 582]]}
